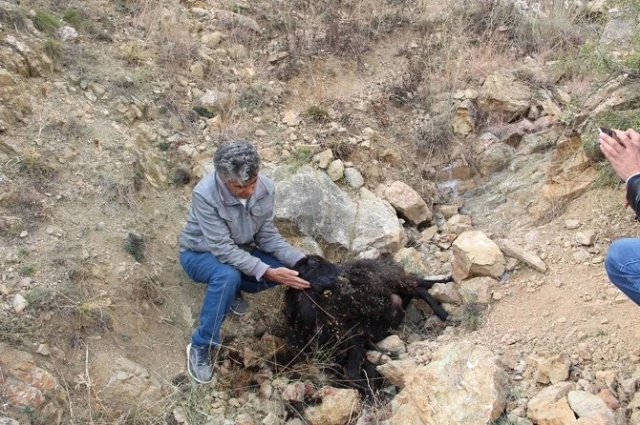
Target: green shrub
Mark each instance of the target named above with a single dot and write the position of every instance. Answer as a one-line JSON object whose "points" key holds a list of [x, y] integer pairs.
{"points": [[45, 21], [135, 245], [75, 19], [318, 114], [28, 269]]}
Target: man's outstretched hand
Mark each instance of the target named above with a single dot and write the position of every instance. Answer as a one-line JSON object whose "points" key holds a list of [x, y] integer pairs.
{"points": [[624, 156], [286, 277]]}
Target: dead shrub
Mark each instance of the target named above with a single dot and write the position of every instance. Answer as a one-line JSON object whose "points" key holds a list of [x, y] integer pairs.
{"points": [[551, 26], [434, 138], [147, 289], [115, 191], [27, 203], [176, 48], [347, 37]]}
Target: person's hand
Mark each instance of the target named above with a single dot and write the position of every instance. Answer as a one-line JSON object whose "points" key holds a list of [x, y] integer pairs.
{"points": [[286, 277], [624, 156]]}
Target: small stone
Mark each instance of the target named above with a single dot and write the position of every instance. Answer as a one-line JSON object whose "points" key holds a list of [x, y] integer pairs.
{"points": [[291, 118], [24, 234], [586, 238], [100, 226], [324, 158], [572, 224], [260, 133], [336, 170], [67, 33], [354, 178], [19, 303], [43, 350], [54, 231]]}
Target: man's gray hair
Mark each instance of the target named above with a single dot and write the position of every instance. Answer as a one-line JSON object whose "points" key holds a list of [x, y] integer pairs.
{"points": [[237, 160]]}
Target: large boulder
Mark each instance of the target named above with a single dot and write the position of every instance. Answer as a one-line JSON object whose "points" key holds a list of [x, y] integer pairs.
{"points": [[590, 406], [308, 203], [550, 406], [476, 396], [376, 225], [474, 254], [496, 158], [504, 93], [408, 203]]}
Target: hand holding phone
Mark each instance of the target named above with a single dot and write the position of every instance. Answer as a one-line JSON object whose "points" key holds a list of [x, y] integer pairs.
{"points": [[610, 133]]}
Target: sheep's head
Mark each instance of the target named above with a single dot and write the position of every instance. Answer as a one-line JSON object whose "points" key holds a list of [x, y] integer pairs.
{"points": [[320, 273]]}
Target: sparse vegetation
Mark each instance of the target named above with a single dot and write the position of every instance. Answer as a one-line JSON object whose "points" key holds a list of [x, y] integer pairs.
{"points": [[136, 246], [75, 18], [28, 269], [203, 112], [46, 22], [13, 18], [148, 289], [300, 156], [435, 137], [53, 49], [95, 313], [470, 316], [318, 114], [31, 163], [40, 298], [607, 177]]}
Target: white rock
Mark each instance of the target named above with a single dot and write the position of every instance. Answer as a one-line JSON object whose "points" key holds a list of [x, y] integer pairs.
{"points": [[67, 33], [19, 303]]}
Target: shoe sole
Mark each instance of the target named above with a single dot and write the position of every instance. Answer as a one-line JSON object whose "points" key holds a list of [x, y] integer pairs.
{"points": [[189, 369]]}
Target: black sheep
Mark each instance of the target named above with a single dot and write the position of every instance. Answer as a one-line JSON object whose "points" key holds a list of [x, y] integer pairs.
{"points": [[351, 306]]}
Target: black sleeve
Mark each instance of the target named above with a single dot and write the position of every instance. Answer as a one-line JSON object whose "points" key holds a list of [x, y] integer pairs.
{"points": [[633, 194]]}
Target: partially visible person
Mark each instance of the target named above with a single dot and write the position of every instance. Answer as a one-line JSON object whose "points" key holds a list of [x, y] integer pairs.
{"points": [[230, 242], [623, 258]]}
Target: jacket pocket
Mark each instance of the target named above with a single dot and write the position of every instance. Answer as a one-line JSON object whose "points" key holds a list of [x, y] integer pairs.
{"points": [[261, 208]]}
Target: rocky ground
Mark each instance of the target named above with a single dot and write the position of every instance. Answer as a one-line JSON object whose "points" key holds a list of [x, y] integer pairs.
{"points": [[388, 128]]}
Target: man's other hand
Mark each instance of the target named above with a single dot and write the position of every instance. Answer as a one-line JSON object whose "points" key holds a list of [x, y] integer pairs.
{"points": [[625, 155], [286, 277]]}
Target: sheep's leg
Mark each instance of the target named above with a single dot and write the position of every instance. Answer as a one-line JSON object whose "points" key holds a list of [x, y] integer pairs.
{"points": [[435, 305], [353, 368], [428, 283]]}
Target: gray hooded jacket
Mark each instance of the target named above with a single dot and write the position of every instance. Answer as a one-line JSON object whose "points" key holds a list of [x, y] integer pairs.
{"points": [[219, 223]]}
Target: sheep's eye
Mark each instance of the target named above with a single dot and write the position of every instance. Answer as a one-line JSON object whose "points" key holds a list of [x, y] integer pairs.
{"points": [[326, 292], [313, 262]]}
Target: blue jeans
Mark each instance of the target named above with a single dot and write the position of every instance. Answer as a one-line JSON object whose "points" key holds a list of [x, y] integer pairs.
{"points": [[623, 266], [224, 282]]}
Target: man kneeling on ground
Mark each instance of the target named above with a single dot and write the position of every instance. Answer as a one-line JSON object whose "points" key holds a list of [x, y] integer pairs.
{"points": [[623, 258], [230, 243]]}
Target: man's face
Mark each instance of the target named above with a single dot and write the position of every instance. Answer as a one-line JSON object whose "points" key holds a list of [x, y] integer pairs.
{"points": [[243, 191]]}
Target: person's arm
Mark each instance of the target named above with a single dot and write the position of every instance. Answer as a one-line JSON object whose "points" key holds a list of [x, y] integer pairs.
{"points": [[221, 245], [624, 156], [633, 193]]}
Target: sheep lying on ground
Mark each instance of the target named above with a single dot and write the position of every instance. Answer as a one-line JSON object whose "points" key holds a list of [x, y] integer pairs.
{"points": [[350, 307]]}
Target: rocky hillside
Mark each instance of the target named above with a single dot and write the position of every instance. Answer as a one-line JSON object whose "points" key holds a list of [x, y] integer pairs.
{"points": [[457, 136]]}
